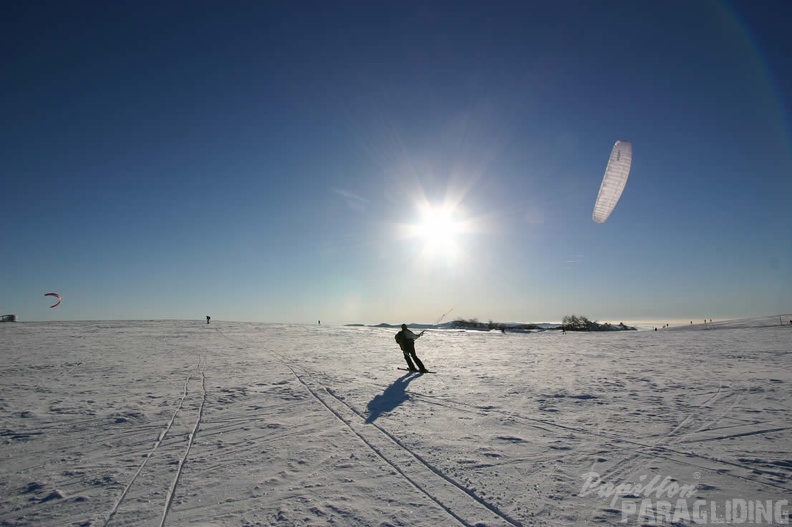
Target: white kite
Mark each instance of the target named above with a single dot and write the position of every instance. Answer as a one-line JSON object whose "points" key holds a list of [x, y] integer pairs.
{"points": [[613, 181]]}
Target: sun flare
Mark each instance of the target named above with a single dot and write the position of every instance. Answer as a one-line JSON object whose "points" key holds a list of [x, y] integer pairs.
{"points": [[439, 234], [438, 228]]}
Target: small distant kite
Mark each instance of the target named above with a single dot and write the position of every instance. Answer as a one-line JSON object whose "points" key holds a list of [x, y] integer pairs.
{"points": [[614, 180], [56, 295]]}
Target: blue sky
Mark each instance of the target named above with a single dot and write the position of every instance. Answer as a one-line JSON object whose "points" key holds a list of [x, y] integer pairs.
{"points": [[274, 162]]}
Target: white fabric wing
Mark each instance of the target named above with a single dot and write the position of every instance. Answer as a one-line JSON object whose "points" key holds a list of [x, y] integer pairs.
{"points": [[613, 181]]}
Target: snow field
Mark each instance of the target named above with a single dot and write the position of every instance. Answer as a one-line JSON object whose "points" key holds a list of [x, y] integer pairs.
{"points": [[184, 423]]}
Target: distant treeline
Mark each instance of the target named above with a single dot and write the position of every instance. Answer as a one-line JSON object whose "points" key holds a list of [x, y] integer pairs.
{"points": [[569, 323], [581, 323], [473, 323]]}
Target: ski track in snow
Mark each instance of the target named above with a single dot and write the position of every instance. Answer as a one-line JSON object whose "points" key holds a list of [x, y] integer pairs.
{"points": [[157, 443], [172, 489], [397, 456], [182, 423]]}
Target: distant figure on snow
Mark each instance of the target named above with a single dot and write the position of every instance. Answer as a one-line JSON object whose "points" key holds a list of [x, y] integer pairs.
{"points": [[406, 340], [207, 318]]}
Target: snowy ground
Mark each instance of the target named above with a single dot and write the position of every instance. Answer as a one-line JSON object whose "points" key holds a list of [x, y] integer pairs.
{"points": [[184, 423]]}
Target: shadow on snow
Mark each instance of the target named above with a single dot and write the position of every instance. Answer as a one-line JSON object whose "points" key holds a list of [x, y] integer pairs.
{"points": [[393, 396]]}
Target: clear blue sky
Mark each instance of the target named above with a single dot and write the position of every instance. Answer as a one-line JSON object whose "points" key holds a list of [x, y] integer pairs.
{"points": [[270, 161]]}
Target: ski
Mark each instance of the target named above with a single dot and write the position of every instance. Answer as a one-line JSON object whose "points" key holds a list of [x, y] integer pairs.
{"points": [[416, 371]]}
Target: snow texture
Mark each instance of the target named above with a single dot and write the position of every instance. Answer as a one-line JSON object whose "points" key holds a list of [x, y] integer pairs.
{"points": [[187, 423]]}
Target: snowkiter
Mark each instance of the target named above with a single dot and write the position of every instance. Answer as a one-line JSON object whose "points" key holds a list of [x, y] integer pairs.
{"points": [[406, 340]]}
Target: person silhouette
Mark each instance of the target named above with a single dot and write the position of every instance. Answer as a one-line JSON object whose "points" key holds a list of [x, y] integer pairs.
{"points": [[406, 340]]}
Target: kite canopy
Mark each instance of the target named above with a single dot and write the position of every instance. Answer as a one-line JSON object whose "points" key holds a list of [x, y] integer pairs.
{"points": [[614, 180], [56, 295]]}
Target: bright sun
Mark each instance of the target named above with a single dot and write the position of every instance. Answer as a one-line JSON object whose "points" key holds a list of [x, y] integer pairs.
{"points": [[438, 228]]}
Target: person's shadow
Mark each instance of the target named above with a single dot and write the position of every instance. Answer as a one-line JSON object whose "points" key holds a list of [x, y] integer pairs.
{"points": [[393, 396]]}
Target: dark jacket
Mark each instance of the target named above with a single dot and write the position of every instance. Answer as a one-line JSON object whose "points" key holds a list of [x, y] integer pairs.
{"points": [[406, 339]]}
